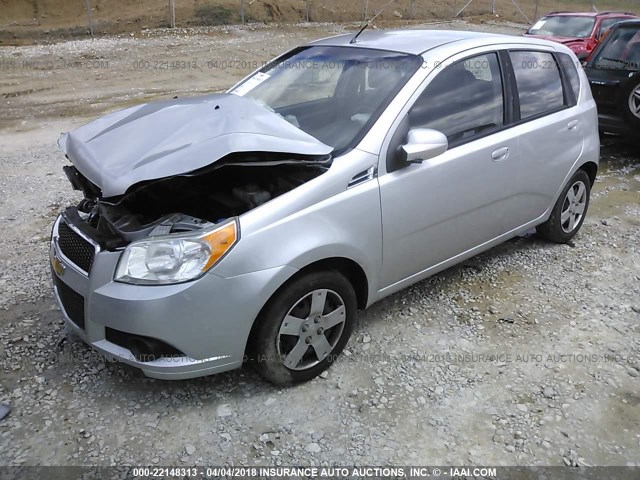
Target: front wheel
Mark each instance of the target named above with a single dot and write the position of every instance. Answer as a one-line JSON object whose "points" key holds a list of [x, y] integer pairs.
{"points": [[303, 328], [569, 211]]}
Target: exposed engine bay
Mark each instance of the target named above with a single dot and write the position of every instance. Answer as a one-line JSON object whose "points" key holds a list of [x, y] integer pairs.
{"points": [[188, 202], [182, 165]]}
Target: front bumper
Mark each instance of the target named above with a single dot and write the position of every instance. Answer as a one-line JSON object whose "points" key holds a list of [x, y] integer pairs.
{"points": [[208, 320]]}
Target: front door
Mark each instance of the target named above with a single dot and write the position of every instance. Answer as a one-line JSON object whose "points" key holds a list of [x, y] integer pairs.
{"points": [[438, 209]]}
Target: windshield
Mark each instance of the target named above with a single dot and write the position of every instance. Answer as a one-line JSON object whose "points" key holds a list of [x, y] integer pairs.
{"points": [[334, 94], [564, 26], [621, 50]]}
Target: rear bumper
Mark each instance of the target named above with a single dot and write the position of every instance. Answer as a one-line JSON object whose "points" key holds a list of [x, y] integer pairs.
{"points": [[207, 320]]}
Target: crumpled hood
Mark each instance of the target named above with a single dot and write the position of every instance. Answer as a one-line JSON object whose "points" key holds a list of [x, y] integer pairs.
{"points": [[162, 139]]}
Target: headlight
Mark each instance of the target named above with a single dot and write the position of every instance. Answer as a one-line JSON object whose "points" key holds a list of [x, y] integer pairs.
{"points": [[175, 258]]}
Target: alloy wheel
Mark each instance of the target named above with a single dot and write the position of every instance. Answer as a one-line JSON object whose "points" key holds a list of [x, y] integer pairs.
{"points": [[573, 207], [634, 101], [311, 329]]}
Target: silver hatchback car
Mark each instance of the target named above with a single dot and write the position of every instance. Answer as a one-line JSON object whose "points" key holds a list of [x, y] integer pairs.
{"points": [[251, 226]]}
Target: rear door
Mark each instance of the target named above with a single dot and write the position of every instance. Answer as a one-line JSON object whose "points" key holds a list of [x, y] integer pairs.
{"points": [[549, 128]]}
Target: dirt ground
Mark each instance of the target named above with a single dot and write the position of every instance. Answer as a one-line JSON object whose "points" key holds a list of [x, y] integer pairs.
{"points": [[526, 355], [27, 21]]}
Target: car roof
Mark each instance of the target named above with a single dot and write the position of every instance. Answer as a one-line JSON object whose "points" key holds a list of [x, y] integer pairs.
{"points": [[627, 23], [419, 41], [589, 14]]}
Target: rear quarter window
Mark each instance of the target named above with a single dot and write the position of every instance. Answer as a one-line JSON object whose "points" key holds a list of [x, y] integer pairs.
{"points": [[570, 68], [538, 81]]}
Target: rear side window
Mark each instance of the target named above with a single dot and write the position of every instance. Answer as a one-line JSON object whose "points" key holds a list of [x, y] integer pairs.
{"points": [[538, 81], [571, 70]]}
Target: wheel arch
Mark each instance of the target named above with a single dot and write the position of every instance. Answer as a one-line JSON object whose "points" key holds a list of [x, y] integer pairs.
{"points": [[591, 168], [351, 269]]}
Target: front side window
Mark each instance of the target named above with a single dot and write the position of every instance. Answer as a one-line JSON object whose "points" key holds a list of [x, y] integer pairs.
{"points": [[332, 93], [464, 101], [538, 82], [564, 26]]}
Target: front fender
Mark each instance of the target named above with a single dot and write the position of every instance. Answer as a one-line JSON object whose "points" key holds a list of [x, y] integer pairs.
{"points": [[320, 219]]}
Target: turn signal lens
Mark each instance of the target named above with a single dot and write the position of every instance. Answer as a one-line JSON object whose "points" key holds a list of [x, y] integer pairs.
{"points": [[220, 241]]}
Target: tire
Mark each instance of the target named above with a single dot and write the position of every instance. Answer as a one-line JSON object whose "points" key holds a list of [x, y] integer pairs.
{"points": [[569, 211], [629, 102], [303, 328]]}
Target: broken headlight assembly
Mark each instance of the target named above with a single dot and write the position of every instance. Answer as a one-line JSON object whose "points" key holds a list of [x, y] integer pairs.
{"points": [[175, 258]]}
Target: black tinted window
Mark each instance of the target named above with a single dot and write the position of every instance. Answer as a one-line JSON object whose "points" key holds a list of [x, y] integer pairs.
{"points": [[463, 101], [571, 69], [620, 50], [538, 80]]}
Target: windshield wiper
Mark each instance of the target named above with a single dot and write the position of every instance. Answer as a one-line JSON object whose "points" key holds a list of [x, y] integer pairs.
{"points": [[617, 60]]}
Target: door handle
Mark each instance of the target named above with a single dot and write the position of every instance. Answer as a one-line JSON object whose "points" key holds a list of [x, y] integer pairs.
{"points": [[500, 154], [573, 124]]}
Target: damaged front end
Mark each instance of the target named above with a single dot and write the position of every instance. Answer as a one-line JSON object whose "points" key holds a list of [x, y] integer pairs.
{"points": [[189, 202], [178, 169], [164, 187]]}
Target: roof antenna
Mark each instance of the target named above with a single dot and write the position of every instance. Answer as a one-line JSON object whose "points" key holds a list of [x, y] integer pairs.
{"points": [[366, 24]]}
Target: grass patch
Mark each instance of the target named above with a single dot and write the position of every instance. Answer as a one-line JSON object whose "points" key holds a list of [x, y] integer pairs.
{"points": [[211, 14]]}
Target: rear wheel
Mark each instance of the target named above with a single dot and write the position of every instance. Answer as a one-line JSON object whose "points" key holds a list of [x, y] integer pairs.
{"points": [[304, 328], [569, 211]]}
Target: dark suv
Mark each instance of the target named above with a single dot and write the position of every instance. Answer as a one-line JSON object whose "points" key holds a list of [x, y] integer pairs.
{"points": [[580, 31], [614, 75]]}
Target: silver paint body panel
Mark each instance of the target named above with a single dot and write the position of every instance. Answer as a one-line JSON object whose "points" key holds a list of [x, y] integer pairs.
{"points": [[399, 227], [162, 139]]}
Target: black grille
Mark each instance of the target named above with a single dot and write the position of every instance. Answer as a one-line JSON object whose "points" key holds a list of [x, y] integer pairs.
{"points": [[145, 349], [75, 248], [72, 302]]}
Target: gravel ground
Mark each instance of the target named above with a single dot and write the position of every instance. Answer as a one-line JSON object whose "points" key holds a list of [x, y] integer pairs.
{"points": [[526, 355]]}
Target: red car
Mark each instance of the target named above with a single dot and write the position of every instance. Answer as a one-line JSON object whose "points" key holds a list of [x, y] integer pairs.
{"points": [[578, 31]]}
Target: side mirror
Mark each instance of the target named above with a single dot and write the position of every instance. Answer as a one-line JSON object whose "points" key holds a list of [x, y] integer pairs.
{"points": [[423, 144]]}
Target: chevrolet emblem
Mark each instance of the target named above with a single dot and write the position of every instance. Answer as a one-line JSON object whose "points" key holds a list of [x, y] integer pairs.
{"points": [[57, 265]]}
